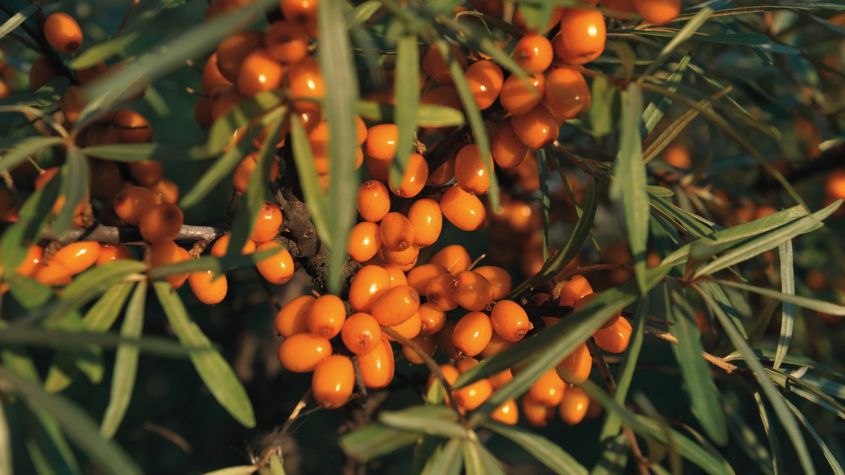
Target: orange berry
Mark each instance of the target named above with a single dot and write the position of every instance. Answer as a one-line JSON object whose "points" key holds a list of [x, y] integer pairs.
{"points": [[78, 256], [364, 241], [471, 169], [62, 32], [678, 156], [615, 337], [440, 292], [404, 259], [293, 316], [622, 6], [161, 223], [147, 172], [507, 413], [377, 366], [396, 231], [521, 95], [397, 276], [302, 12], [432, 320], [52, 273], [419, 277], [233, 50], [472, 291], [454, 258], [167, 191], [533, 52], [443, 173], [132, 127], [472, 396], [574, 406], [163, 253], [485, 80], [501, 378], [537, 414], [361, 333], [221, 246], [427, 221], [436, 68], [41, 73], [498, 277], [133, 202], [326, 316], [212, 78], [449, 372], [31, 261], [302, 352], [462, 208], [259, 72], [582, 36], [72, 103], [574, 290], [536, 128], [240, 179], [427, 345], [472, 333], [306, 82], [510, 321], [567, 93], [267, 224], [409, 329], [287, 42], [395, 305], [367, 284], [381, 141], [576, 367], [658, 12], [548, 389], [835, 185], [333, 381], [413, 181], [373, 201], [208, 289]]}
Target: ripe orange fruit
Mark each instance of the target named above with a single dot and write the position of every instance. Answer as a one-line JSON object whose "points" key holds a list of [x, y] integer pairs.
{"points": [[233, 50], [472, 333], [133, 202], [414, 179], [292, 318], [259, 72], [364, 241], [427, 221], [537, 414], [221, 246], [326, 316], [508, 150], [498, 277], [471, 169], [395, 305], [377, 366], [409, 329], [132, 127], [574, 406], [574, 290], [31, 261], [62, 32], [72, 103], [658, 12], [243, 172], [163, 253], [501, 378], [427, 344], [533, 52], [52, 273], [112, 252], [267, 224], [361, 333], [367, 284], [462, 208], [147, 172], [443, 173], [381, 141], [548, 389], [78, 256], [436, 68], [834, 186], [454, 258], [507, 413], [420, 276], [302, 12], [679, 157], [485, 81], [432, 320], [333, 381], [287, 42], [615, 337], [161, 223], [582, 36], [306, 82], [41, 73], [167, 191], [440, 292], [521, 95], [472, 396], [510, 321], [623, 6], [576, 367], [396, 231], [373, 201], [212, 78], [536, 128], [472, 291], [302, 352], [208, 289], [567, 93], [450, 374]]}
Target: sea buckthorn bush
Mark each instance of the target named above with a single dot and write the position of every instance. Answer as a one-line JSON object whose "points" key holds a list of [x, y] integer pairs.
{"points": [[483, 237]]}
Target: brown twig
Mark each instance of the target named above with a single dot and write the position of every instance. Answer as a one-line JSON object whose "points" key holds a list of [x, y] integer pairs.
{"points": [[710, 358]]}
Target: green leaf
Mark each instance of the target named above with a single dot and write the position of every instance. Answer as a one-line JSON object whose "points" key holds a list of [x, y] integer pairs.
{"points": [[431, 420], [545, 199], [103, 51], [363, 12], [133, 152], [428, 115], [211, 367], [335, 57], [222, 168], [76, 175], [698, 380], [45, 97], [218, 265], [5, 443], [787, 282], [476, 121], [747, 438], [776, 400], [600, 113], [614, 456], [374, 440], [239, 470], [15, 21], [125, 364], [240, 116], [478, 460], [546, 452], [447, 460], [678, 38], [28, 292], [407, 100], [76, 424], [628, 190], [311, 191], [256, 192], [24, 148], [828, 454], [152, 345]]}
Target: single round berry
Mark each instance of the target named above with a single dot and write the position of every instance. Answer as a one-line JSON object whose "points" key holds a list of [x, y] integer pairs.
{"points": [[408, 329], [582, 36], [537, 414], [472, 333], [78, 256], [533, 53], [472, 291], [575, 368], [161, 223], [427, 221], [132, 127], [499, 278], [658, 12], [576, 288], [471, 169], [233, 50], [367, 284], [373, 201], [302, 352], [432, 319], [536, 128], [567, 93], [485, 80], [443, 173], [615, 337], [574, 406], [548, 389], [52, 273], [510, 321], [396, 231], [112, 252], [267, 223], [381, 141], [361, 333], [208, 288], [133, 202], [507, 413], [377, 366], [420, 276], [287, 42], [221, 246], [414, 179], [333, 381], [62, 32], [212, 78], [462, 208], [364, 241], [440, 292], [259, 72], [326, 316], [163, 253], [395, 305], [306, 82], [277, 269], [292, 318], [521, 95], [147, 172], [167, 190]]}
